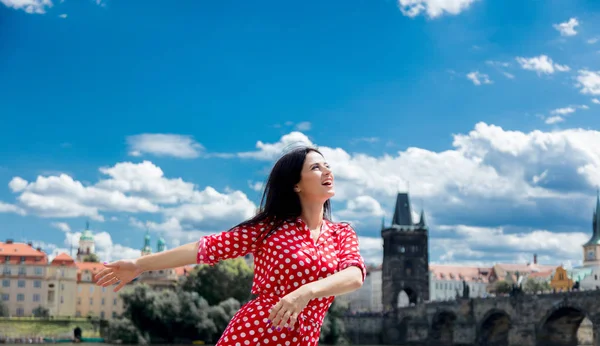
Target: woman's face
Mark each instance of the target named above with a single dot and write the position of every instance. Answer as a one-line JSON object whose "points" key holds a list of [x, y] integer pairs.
{"points": [[316, 179]]}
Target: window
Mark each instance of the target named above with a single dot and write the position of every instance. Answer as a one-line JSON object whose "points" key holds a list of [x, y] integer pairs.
{"points": [[78, 300], [22, 259], [38, 271], [20, 312], [37, 284], [62, 300], [21, 283], [114, 315], [102, 301], [20, 297], [78, 314], [6, 271], [5, 283], [22, 270], [36, 297], [91, 301], [91, 289], [115, 301], [102, 314], [5, 297]]}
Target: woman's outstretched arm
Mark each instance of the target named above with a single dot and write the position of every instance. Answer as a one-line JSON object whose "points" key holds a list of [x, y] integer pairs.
{"points": [[178, 257]]}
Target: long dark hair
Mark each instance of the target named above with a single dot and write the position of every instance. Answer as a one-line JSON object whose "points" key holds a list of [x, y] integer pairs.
{"points": [[280, 203]]}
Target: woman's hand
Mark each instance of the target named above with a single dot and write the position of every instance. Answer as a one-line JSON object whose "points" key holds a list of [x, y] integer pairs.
{"points": [[285, 313], [122, 271]]}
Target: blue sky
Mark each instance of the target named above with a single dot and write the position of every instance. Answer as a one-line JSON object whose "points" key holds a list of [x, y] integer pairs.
{"points": [[167, 117]]}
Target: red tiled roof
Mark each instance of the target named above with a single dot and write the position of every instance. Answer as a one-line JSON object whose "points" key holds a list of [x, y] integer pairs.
{"points": [[18, 250], [92, 267], [63, 260], [460, 273]]}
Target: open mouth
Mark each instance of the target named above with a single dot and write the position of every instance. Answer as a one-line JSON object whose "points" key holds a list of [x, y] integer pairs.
{"points": [[327, 183]]}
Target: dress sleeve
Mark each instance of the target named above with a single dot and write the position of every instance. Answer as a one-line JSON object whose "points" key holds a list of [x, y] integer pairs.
{"points": [[349, 254], [236, 242]]}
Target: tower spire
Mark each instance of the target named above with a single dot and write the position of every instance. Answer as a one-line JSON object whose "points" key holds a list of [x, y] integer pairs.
{"points": [[402, 212]]}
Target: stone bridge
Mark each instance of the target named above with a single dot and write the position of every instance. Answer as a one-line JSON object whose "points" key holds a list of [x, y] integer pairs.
{"points": [[524, 320]]}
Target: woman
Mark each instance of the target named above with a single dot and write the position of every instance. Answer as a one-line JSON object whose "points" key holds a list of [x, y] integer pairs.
{"points": [[301, 258]]}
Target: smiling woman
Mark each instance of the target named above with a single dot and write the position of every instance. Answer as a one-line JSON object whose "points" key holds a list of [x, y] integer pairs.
{"points": [[302, 259]]}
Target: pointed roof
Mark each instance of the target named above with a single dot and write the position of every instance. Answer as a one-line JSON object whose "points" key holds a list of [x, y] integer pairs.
{"points": [[402, 212], [595, 239], [422, 221]]}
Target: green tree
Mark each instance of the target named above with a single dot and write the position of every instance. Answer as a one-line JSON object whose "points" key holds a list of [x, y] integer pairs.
{"points": [[227, 279], [333, 330], [91, 258], [501, 287], [41, 311], [166, 316], [535, 286], [3, 309]]}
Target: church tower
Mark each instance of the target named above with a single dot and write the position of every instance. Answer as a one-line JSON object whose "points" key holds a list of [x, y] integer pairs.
{"points": [[161, 245], [86, 243], [591, 249], [147, 249], [405, 271]]}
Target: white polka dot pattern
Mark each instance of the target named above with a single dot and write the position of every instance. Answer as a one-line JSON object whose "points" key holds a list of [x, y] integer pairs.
{"points": [[286, 260]]}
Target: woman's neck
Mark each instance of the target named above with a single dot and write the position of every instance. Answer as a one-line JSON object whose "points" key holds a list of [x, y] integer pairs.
{"points": [[312, 214]]}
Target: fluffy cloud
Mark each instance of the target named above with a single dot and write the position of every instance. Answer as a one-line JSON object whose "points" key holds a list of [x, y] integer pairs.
{"points": [[62, 196], [589, 82], [29, 6], [567, 28], [11, 208], [184, 147], [433, 8], [106, 249], [541, 64], [494, 244], [479, 78]]}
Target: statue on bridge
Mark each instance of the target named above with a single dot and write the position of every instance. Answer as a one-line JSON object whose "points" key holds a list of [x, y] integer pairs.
{"points": [[466, 290]]}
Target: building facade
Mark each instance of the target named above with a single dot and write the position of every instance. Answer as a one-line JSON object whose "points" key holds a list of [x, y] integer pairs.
{"points": [[24, 269]]}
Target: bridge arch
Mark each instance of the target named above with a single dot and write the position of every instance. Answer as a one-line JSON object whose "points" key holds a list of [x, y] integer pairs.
{"points": [[441, 331], [560, 325], [406, 297], [493, 328]]}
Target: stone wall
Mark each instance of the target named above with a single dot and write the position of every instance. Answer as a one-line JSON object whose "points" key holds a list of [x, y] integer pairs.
{"points": [[364, 330]]}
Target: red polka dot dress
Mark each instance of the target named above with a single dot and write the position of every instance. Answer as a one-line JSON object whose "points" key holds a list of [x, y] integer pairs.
{"points": [[286, 260]]}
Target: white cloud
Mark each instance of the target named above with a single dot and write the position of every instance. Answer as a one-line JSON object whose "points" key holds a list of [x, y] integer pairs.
{"points": [[303, 126], [62, 196], [479, 78], [554, 119], [433, 8], [592, 40], [589, 82], [179, 146], [541, 64], [508, 75], [567, 28], [146, 180], [563, 111], [361, 207], [29, 6], [63, 226], [11, 208], [106, 249], [596, 101], [268, 151], [464, 243], [63, 16]]}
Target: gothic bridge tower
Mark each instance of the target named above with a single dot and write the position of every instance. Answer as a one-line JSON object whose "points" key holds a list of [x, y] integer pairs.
{"points": [[405, 258]]}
